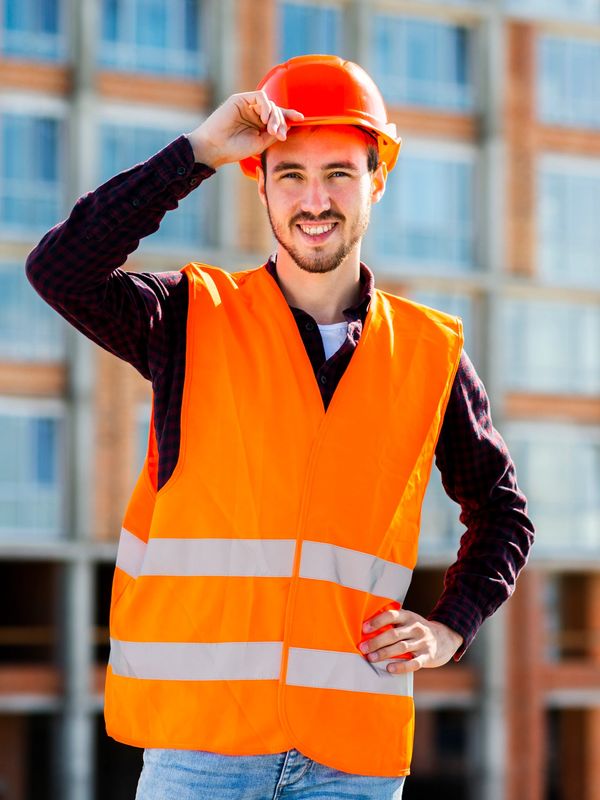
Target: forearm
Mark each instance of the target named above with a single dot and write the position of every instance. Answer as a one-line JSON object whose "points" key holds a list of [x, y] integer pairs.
{"points": [[490, 557], [78, 255], [479, 474], [76, 266]]}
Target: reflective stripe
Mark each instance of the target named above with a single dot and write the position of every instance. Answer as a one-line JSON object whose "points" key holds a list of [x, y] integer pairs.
{"points": [[263, 558], [250, 661], [192, 661], [328, 669], [330, 562], [130, 554], [260, 558]]}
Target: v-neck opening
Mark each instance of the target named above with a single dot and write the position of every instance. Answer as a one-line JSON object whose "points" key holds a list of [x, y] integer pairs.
{"points": [[299, 344]]}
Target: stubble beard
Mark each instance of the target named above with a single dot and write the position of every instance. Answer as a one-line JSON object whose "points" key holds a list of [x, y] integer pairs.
{"points": [[320, 263]]}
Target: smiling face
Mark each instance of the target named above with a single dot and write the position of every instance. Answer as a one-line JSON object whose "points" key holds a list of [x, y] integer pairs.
{"points": [[318, 192]]}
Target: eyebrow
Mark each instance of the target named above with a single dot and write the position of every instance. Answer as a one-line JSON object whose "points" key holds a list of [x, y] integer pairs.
{"points": [[285, 165]]}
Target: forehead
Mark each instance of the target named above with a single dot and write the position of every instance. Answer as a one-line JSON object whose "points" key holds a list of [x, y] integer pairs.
{"points": [[309, 144]]}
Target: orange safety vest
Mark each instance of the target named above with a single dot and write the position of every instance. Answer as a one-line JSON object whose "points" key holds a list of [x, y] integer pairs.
{"points": [[242, 585]]}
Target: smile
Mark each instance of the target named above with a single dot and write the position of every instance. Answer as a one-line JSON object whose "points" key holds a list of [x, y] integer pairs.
{"points": [[317, 233]]}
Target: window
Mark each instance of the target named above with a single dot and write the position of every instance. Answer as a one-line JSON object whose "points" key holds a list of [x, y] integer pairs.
{"points": [[30, 173], [568, 213], [32, 29], [423, 63], [31, 469], [571, 9], [29, 329], [558, 468], [160, 36], [306, 28], [568, 86], [121, 147], [552, 347], [426, 215]]}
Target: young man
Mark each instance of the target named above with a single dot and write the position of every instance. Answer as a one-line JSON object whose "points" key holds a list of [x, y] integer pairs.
{"points": [[258, 642]]}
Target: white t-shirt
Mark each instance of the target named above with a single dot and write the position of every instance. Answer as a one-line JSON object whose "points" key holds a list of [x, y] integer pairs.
{"points": [[333, 337]]}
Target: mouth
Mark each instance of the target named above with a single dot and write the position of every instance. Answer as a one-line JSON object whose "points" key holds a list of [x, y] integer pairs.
{"points": [[316, 233]]}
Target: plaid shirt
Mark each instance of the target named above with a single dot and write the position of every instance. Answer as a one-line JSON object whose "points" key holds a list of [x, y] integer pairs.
{"points": [[141, 318]]}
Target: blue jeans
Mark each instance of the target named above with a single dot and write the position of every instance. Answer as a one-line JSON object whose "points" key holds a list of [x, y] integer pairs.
{"points": [[199, 775]]}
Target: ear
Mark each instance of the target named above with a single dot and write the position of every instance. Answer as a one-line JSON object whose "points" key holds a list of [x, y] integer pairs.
{"points": [[260, 185], [378, 179]]}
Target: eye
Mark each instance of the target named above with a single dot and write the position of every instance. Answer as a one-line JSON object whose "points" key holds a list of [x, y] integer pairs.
{"points": [[291, 175], [338, 173]]}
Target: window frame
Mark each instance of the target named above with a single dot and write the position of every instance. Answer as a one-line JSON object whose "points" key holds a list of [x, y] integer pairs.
{"points": [[568, 166], [124, 55], [61, 38], [470, 103], [401, 266], [43, 107], [33, 408]]}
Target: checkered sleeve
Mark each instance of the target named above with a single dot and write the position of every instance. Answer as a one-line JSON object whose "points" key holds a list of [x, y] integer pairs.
{"points": [[478, 473], [76, 267]]}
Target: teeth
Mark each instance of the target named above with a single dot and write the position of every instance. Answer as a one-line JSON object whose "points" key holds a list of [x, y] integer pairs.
{"points": [[315, 230]]}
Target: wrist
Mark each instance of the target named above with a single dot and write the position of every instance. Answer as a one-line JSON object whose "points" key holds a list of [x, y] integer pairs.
{"points": [[204, 151]]}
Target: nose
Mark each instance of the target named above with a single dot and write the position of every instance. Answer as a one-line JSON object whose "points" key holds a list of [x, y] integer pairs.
{"points": [[316, 198]]}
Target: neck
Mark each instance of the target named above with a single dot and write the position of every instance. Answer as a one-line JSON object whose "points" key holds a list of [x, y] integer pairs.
{"points": [[323, 295]]}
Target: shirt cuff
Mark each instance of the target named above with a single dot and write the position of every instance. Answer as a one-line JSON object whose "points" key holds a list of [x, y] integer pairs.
{"points": [[177, 169]]}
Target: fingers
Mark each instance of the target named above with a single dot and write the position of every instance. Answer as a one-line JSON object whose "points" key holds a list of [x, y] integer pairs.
{"points": [[393, 643], [390, 617], [273, 117]]}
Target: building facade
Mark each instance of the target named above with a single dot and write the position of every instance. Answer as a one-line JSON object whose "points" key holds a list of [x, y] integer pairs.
{"points": [[493, 213]]}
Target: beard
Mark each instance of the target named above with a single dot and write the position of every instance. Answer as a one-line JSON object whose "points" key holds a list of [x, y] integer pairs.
{"points": [[320, 262]]}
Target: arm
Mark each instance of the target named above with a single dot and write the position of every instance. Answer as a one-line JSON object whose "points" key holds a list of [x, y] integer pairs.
{"points": [[76, 266], [478, 473]]}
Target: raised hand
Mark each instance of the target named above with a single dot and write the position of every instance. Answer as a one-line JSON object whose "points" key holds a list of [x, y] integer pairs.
{"points": [[244, 125]]}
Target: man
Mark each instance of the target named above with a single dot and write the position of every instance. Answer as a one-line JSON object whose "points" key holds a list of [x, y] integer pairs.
{"points": [[258, 642]]}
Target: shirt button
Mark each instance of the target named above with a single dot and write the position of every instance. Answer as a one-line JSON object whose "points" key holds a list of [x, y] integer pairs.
{"points": [[135, 202], [193, 181], [310, 326], [181, 170], [323, 379]]}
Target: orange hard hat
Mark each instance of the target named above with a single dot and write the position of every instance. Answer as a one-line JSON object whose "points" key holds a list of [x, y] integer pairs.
{"points": [[330, 91]]}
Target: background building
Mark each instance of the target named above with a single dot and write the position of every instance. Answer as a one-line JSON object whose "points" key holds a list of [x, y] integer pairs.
{"points": [[492, 213]]}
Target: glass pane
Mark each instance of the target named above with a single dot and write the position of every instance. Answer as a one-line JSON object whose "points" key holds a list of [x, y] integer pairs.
{"points": [[151, 23], [110, 20], [30, 183], [569, 81], [152, 36], [570, 9], [422, 62], [15, 15], [49, 16], [552, 347], [29, 328], [568, 213], [31, 489], [560, 475], [309, 28], [191, 25], [426, 215], [32, 29]]}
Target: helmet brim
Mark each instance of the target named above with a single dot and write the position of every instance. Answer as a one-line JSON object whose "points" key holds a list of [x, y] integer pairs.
{"points": [[388, 143]]}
